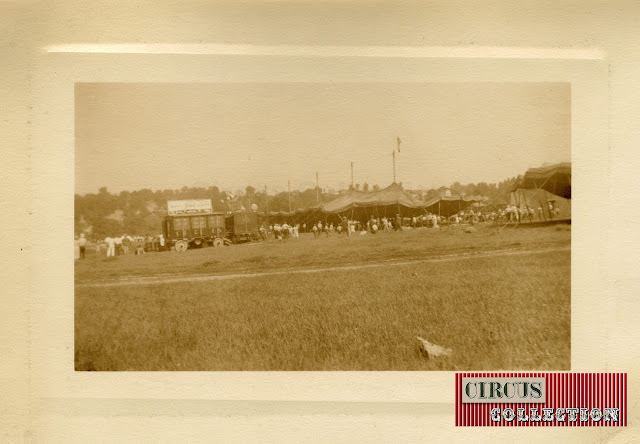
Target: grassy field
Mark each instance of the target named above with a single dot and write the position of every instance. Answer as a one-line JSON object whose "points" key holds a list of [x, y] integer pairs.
{"points": [[309, 252], [496, 312]]}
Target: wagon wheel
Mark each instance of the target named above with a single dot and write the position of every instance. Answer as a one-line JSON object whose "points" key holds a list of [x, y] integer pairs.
{"points": [[218, 242], [182, 245]]}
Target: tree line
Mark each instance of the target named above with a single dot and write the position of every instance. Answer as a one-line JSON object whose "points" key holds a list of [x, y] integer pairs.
{"points": [[140, 212]]}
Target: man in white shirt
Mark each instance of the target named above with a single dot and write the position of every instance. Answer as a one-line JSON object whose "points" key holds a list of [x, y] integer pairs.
{"points": [[76, 249], [83, 245], [111, 247]]}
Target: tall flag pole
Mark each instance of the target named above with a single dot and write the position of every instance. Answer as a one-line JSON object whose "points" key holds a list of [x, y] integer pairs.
{"points": [[317, 189], [351, 175], [394, 166], [398, 142], [266, 197]]}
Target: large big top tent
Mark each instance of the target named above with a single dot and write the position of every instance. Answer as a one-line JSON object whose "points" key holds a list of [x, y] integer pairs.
{"points": [[393, 197], [361, 205], [388, 202], [556, 179], [549, 184]]}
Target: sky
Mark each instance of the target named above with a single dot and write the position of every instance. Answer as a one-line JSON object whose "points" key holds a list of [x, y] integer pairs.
{"points": [[131, 136]]}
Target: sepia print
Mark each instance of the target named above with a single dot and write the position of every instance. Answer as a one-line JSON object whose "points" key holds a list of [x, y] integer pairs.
{"points": [[322, 226]]}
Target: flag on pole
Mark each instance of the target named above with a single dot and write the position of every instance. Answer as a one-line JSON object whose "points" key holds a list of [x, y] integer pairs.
{"points": [[399, 142]]}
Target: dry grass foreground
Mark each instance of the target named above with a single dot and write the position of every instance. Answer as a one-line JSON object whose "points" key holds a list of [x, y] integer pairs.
{"points": [[497, 312]]}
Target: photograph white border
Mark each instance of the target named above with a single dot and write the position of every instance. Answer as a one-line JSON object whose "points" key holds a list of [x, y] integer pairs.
{"points": [[56, 72]]}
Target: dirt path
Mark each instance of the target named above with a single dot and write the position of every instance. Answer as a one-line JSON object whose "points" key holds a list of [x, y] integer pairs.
{"points": [[147, 280]]}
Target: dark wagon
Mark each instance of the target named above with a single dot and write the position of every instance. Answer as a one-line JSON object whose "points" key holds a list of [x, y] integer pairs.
{"points": [[194, 230], [209, 229], [243, 226]]}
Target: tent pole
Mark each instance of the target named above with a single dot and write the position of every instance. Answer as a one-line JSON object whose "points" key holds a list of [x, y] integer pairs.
{"points": [[542, 206], [545, 182], [526, 205], [266, 198]]}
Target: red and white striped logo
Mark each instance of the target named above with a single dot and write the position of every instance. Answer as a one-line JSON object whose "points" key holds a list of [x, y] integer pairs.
{"points": [[541, 399]]}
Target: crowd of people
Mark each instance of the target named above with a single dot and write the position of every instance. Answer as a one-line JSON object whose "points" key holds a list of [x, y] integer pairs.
{"points": [[126, 244], [121, 246], [513, 213], [510, 213], [345, 226], [280, 231]]}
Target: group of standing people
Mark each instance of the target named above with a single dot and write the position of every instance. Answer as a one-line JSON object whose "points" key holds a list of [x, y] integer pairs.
{"points": [[124, 245], [350, 227], [473, 217], [121, 245], [319, 228], [510, 213], [513, 213], [280, 232], [346, 226]]}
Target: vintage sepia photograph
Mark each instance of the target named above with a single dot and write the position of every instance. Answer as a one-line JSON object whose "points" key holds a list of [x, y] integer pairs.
{"points": [[322, 226], [320, 220]]}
